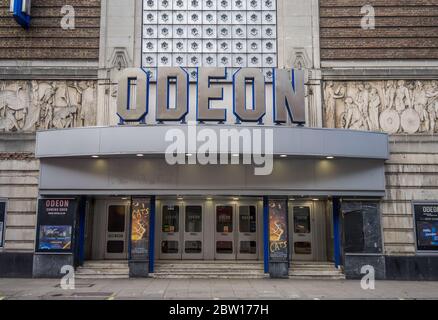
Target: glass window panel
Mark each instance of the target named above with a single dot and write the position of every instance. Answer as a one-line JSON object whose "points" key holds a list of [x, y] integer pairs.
{"points": [[247, 219], [170, 219], [116, 218], [194, 219], [303, 247], [248, 247], [193, 246], [302, 219], [224, 219], [170, 247], [115, 246], [224, 247]]}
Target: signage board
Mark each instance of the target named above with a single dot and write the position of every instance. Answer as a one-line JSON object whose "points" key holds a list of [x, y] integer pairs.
{"points": [[426, 225], [55, 226], [141, 208], [278, 236], [175, 98]]}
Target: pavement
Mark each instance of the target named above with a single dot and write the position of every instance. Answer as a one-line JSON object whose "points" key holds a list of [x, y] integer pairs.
{"points": [[194, 289]]}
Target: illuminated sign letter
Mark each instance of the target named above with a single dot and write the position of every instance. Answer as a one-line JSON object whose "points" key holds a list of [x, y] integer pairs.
{"points": [[169, 77], [256, 79], [289, 96], [208, 93], [21, 11], [133, 95]]}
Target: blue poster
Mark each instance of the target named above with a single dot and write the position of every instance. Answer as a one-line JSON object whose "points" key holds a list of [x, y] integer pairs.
{"points": [[426, 221], [55, 238]]}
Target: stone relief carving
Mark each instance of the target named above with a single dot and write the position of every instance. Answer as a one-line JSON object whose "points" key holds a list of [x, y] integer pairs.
{"points": [[389, 106], [39, 105]]}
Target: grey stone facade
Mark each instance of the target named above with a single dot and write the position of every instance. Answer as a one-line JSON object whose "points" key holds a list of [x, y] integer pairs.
{"points": [[38, 94]]}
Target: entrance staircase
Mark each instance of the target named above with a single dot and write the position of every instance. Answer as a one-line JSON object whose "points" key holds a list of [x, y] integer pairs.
{"points": [[208, 270], [315, 271], [103, 270]]}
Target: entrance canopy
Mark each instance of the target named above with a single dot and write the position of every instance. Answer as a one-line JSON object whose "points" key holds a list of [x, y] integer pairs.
{"points": [[300, 164]]}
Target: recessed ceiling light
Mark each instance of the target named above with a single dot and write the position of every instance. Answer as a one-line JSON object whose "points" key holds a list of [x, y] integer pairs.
{"points": [[95, 157], [209, 198], [291, 199], [140, 155], [236, 199], [180, 198], [189, 154], [235, 155], [330, 158], [283, 156], [315, 199]]}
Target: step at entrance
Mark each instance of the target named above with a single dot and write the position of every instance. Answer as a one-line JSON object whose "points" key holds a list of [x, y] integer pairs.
{"points": [[315, 270], [209, 270], [103, 270]]}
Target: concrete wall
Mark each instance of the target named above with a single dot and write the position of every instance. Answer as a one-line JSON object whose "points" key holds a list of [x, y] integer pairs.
{"points": [[411, 175], [19, 174]]}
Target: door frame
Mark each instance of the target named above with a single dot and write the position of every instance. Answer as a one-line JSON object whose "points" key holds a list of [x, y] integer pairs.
{"points": [[184, 237], [292, 255], [239, 237], [181, 228], [225, 256], [127, 205]]}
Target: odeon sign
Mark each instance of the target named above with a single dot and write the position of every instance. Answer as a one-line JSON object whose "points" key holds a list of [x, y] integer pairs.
{"points": [[287, 95]]}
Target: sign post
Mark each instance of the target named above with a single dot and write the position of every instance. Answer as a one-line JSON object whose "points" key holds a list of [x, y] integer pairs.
{"points": [[278, 239], [55, 236], [139, 237]]}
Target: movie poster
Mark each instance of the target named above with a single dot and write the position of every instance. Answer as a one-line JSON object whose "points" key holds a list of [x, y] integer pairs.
{"points": [[278, 241], [55, 237], [140, 228], [55, 225], [426, 221], [2, 222]]}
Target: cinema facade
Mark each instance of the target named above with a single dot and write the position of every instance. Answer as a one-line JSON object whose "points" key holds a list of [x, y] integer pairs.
{"points": [[342, 117]]}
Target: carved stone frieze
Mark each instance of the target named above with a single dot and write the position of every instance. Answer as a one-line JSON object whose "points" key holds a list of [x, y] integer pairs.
{"points": [[408, 107], [38, 105]]}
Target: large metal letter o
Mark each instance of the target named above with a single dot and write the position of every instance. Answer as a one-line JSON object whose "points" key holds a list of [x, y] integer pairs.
{"points": [[125, 110]]}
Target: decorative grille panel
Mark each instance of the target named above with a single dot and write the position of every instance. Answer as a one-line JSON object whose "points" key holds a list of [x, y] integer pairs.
{"points": [[210, 33]]}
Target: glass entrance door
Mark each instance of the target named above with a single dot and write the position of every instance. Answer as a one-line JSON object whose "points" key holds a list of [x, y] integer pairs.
{"points": [[247, 232], [193, 232], [301, 228], [225, 236], [171, 232], [116, 246]]}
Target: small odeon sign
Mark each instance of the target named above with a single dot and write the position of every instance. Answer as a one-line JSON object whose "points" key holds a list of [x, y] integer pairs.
{"points": [[20, 9], [173, 95]]}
